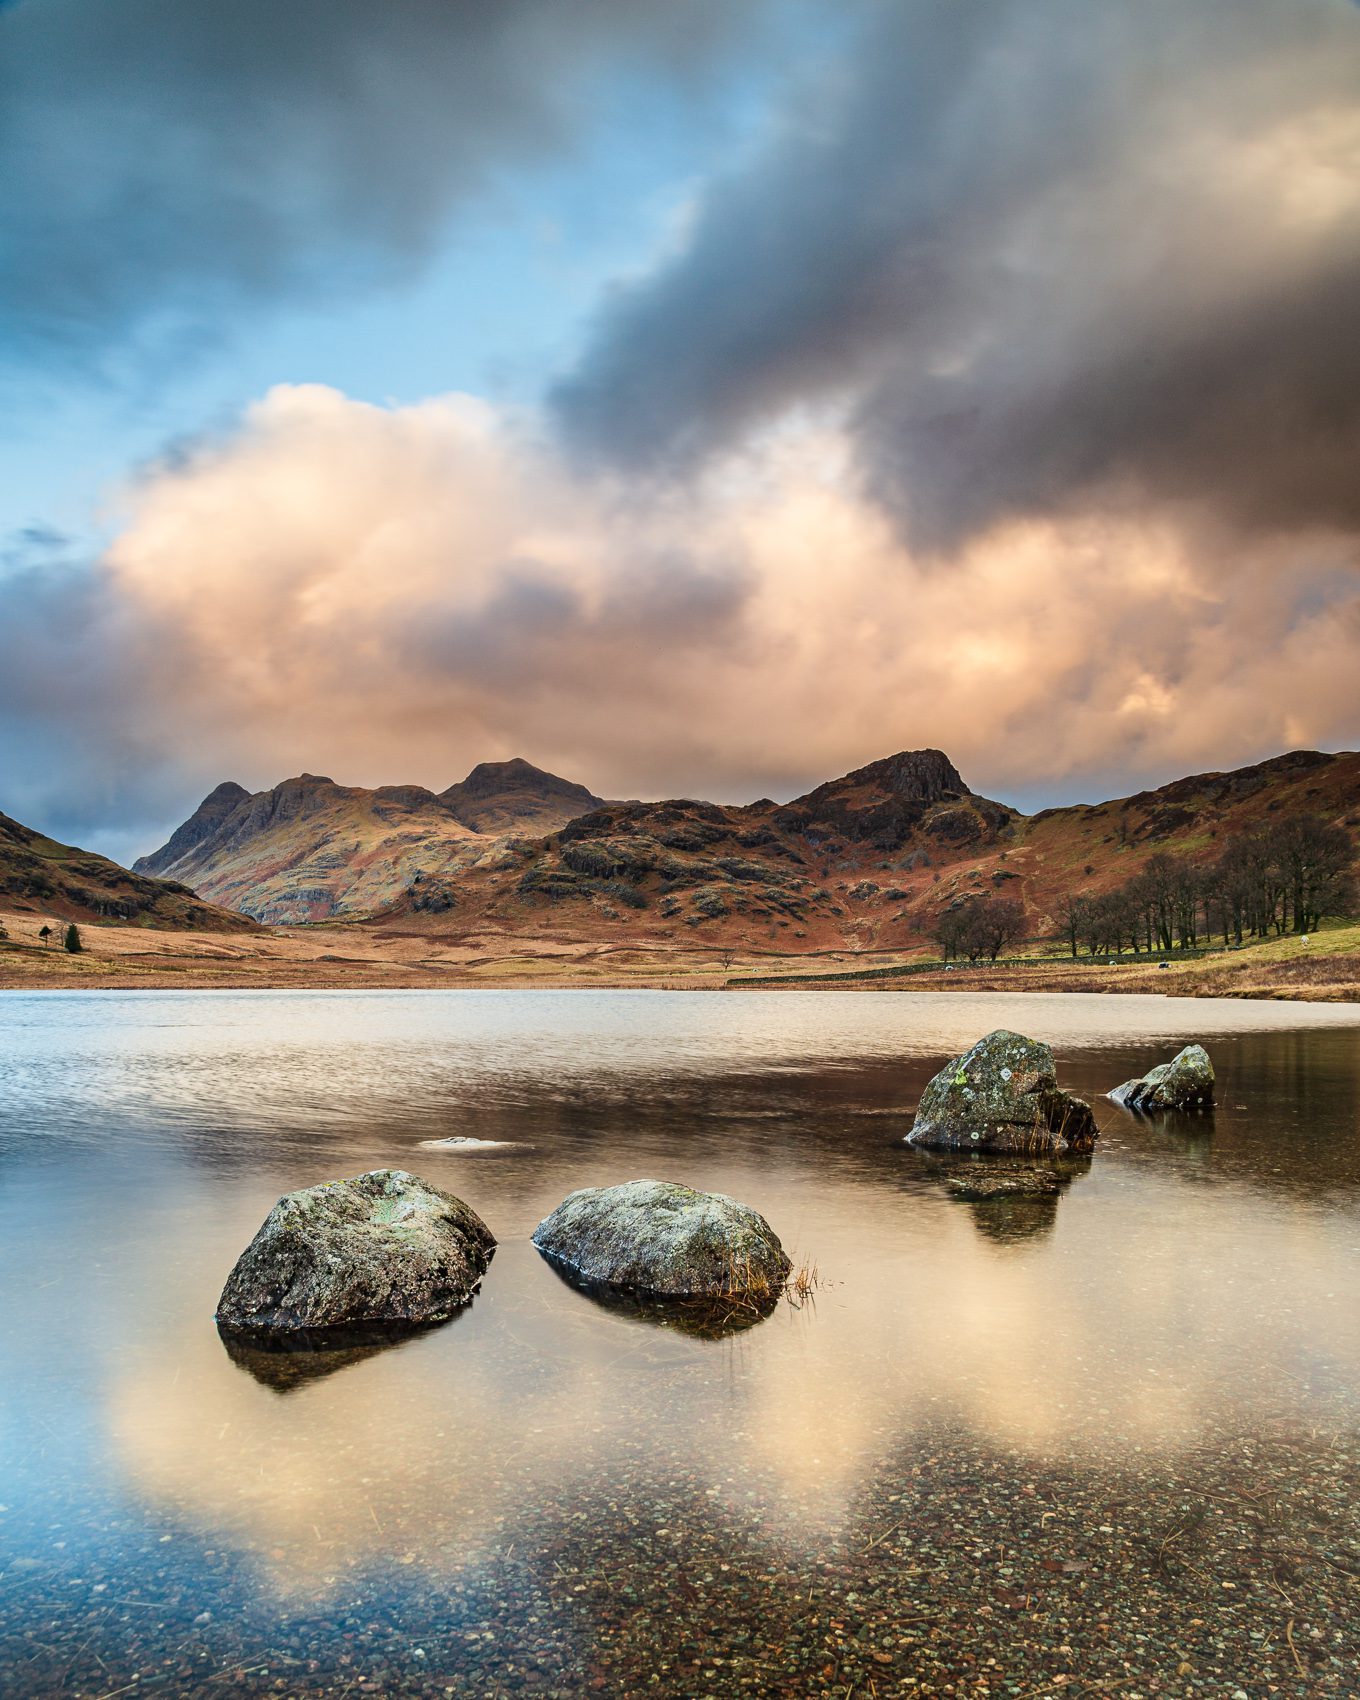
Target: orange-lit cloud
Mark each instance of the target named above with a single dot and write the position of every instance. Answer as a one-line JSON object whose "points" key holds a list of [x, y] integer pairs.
{"points": [[393, 594]]}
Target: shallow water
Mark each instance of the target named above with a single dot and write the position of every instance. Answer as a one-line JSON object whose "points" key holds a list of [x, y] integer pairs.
{"points": [[1106, 1437]]}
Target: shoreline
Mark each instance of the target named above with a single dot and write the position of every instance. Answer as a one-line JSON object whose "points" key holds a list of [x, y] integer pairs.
{"points": [[437, 981]]}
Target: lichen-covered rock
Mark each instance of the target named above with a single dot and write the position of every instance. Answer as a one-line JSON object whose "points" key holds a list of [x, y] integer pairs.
{"points": [[1003, 1095], [1184, 1083], [656, 1237], [382, 1248]]}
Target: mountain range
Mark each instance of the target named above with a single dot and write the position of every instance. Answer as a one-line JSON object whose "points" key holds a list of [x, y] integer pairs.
{"points": [[863, 861], [309, 849]]}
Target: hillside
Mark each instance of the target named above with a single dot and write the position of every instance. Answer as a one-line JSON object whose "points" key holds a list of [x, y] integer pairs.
{"points": [[866, 862], [309, 849], [54, 882]]}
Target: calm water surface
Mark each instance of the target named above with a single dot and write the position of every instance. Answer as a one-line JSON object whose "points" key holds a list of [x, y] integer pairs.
{"points": [[1106, 1441]]}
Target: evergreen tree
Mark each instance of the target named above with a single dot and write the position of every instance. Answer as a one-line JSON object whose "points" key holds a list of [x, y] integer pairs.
{"points": [[72, 939]]}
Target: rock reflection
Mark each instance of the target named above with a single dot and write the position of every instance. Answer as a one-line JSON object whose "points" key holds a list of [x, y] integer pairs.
{"points": [[290, 1361], [1011, 1201], [1015, 1219], [700, 1318]]}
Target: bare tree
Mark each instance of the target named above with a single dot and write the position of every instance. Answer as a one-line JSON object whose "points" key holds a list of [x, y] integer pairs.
{"points": [[980, 926], [1073, 913]]}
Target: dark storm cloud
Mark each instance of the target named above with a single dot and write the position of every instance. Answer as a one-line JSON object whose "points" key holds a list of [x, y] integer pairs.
{"points": [[162, 160], [1045, 253], [72, 659]]}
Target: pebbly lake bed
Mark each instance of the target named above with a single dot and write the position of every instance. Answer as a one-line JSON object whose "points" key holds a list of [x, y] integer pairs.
{"points": [[1105, 1440]]}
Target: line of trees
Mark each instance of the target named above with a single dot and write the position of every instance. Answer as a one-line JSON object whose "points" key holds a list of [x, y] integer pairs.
{"points": [[1278, 879]]}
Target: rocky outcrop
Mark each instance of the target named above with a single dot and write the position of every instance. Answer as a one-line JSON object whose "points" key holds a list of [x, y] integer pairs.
{"points": [[1184, 1083], [890, 803], [1002, 1095], [382, 1248], [658, 1238]]}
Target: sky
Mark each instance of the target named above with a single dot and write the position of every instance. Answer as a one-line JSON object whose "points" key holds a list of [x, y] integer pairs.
{"points": [[693, 399]]}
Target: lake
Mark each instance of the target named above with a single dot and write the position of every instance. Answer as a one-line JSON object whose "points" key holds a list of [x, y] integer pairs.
{"points": [[1107, 1441]]}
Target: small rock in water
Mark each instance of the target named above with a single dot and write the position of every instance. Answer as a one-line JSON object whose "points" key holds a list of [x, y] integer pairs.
{"points": [[1005, 1183], [380, 1248], [656, 1237], [1184, 1083], [1003, 1095], [468, 1143]]}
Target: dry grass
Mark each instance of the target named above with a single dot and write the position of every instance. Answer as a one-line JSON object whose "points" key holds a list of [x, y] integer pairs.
{"points": [[749, 1294], [340, 955], [801, 1287]]}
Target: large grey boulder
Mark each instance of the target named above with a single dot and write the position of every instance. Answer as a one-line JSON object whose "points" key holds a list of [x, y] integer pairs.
{"points": [[659, 1238], [1184, 1083], [382, 1248], [1003, 1095]]}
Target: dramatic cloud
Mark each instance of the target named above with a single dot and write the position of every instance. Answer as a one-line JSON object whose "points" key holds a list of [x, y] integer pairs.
{"points": [[393, 594], [1004, 396], [1048, 255], [162, 161]]}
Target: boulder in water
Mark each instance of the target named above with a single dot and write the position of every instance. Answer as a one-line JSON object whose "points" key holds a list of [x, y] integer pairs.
{"points": [[659, 1238], [380, 1249], [1003, 1095], [1184, 1083]]}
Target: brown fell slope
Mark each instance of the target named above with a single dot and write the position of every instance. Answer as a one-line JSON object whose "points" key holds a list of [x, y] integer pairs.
{"points": [[57, 882]]}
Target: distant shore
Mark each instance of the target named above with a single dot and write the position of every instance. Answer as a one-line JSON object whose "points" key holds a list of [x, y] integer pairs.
{"points": [[343, 957]]}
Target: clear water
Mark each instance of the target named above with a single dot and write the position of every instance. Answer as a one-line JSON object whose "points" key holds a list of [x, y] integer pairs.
{"points": [[1105, 1438]]}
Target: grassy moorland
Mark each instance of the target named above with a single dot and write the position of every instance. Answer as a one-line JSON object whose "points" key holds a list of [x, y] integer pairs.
{"points": [[340, 956], [1325, 969]]}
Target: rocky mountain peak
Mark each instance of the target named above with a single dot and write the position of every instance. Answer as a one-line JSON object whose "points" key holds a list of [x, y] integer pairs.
{"points": [[887, 803], [927, 776], [220, 803], [497, 792]]}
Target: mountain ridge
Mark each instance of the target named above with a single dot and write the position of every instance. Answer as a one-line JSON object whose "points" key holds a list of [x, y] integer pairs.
{"points": [[308, 848], [864, 860]]}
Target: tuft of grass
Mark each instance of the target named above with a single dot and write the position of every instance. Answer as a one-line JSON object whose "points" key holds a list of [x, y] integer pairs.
{"points": [[801, 1287], [748, 1294]]}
